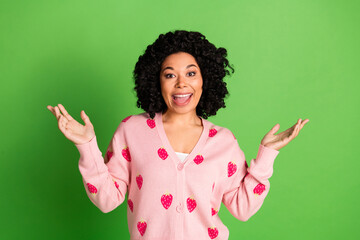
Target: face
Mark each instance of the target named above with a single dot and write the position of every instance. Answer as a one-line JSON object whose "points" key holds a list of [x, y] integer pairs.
{"points": [[181, 82]]}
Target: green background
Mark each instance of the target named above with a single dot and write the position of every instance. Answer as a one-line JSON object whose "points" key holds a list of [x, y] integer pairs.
{"points": [[292, 59]]}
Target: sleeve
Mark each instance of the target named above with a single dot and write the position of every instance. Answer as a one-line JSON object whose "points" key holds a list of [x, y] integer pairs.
{"points": [[105, 178], [249, 186]]}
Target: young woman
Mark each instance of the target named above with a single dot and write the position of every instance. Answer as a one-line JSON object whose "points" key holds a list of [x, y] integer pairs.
{"points": [[175, 166]]}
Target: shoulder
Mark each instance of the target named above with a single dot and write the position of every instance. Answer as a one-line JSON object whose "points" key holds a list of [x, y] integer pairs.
{"points": [[134, 121], [223, 138], [219, 132]]}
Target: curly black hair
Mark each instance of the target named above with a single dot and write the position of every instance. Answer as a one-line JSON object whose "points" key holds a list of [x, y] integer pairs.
{"points": [[211, 60]]}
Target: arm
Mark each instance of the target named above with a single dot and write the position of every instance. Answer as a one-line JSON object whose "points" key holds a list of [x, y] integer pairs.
{"points": [[105, 178], [250, 186]]}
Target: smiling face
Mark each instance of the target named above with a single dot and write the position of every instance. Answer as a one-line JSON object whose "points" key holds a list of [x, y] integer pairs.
{"points": [[181, 82]]}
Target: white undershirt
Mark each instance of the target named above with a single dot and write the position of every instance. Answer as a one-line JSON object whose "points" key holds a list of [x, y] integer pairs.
{"points": [[182, 156]]}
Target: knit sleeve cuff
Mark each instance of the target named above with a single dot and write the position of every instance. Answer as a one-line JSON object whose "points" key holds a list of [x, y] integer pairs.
{"points": [[262, 166]]}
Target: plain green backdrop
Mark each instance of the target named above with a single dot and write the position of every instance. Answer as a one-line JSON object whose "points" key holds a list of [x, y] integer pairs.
{"points": [[292, 59]]}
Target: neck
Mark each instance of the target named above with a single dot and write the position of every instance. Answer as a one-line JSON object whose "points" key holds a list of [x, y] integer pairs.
{"points": [[183, 119]]}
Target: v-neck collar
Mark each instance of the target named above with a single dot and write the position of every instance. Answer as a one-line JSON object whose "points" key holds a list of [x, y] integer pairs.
{"points": [[196, 150]]}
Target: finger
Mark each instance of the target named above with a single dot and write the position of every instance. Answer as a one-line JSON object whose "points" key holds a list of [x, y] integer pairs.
{"points": [[57, 113], [65, 113], [61, 124], [274, 129], [297, 130], [85, 118], [304, 122], [293, 134], [51, 109], [297, 123]]}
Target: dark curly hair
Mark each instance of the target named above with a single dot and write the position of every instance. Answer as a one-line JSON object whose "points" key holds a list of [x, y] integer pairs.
{"points": [[211, 60]]}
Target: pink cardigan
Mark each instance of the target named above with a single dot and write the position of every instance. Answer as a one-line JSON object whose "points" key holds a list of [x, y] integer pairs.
{"points": [[167, 198]]}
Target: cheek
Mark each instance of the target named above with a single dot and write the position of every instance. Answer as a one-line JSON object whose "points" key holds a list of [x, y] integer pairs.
{"points": [[165, 90]]}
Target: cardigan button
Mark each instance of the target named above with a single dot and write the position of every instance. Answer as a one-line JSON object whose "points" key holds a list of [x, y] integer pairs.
{"points": [[180, 166]]}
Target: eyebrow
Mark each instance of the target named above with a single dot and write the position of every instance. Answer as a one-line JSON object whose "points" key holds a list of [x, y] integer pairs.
{"points": [[190, 65]]}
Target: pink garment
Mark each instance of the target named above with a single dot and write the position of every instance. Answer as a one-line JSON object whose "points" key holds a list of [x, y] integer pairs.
{"points": [[168, 199]]}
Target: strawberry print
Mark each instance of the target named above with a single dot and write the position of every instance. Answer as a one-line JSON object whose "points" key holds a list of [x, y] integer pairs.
{"points": [[116, 184], [126, 154], [162, 153], [213, 211], [141, 226], [198, 159], [131, 205], [109, 155], [231, 168], [127, 118], [191, 204], [259, 189], [213, 232], [212, 132], [166, 200], [92, 188], [139, 181], [151, 123]]}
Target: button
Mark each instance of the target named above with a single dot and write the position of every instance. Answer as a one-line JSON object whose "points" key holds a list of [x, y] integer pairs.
{"points": [[180, 166], [179, 208]]}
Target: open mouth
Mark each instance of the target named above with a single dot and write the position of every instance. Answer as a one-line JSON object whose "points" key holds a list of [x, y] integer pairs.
{"points": [[181, 99]]}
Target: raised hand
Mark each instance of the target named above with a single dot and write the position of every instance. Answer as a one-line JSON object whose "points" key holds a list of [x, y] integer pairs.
{"points": [[282, 139], [73, 130]]}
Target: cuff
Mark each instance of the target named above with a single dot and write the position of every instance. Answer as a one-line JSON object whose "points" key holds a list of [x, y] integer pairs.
{"points": [[89, 150], [262, 166]]}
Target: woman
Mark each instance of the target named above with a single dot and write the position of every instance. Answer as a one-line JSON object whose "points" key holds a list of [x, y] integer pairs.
{"points": [[175, 166]]}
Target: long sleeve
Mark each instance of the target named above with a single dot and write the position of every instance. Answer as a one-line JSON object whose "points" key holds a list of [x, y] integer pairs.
{"points": [[249, 186], [105, 178]]}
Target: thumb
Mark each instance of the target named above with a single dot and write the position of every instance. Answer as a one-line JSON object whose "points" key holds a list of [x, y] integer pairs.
{"points": [[275, 129], [85, 118]]}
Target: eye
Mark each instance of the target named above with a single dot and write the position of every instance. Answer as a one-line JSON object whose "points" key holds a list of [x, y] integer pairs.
{"points": [[192, 74], [167, 75]]}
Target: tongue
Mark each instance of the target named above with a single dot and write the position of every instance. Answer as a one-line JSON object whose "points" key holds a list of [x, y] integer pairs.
{"points": [[181, 100]]}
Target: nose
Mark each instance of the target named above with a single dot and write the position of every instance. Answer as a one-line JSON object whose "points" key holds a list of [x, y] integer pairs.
{"points": [[181, 82]]}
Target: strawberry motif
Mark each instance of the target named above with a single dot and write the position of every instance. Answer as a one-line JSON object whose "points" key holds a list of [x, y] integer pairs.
{"points": [[139, 181], [231, 168], [198, 159], [141, 226], [213, 232], [259, 189], [92, 188], [131, 205], [213, 211], [116, 184], [126, 153], [127, 118], [166, 200], [191, 204], [151, 123], [162, 153], [212, 132], [109, 155]]}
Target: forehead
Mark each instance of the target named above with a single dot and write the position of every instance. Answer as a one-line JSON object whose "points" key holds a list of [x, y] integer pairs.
{"points": [[179, 59]]}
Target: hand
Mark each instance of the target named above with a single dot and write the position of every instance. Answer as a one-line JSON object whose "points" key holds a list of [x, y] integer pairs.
{"points": [[74, 131], [282, 139]]}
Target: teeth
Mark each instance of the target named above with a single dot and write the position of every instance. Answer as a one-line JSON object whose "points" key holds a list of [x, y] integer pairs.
{"points": [[184, 95]]}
